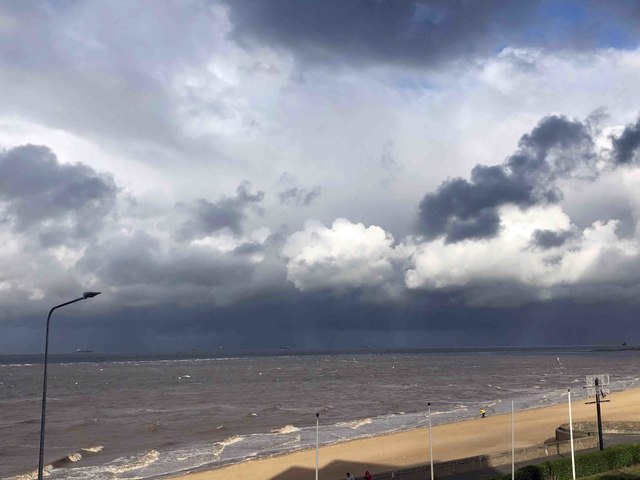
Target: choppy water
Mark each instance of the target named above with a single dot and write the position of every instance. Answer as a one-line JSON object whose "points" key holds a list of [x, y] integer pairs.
{"points": [[143, 418]]}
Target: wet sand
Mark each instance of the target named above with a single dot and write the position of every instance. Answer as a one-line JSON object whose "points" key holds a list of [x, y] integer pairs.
{"points": [[450, 441]]}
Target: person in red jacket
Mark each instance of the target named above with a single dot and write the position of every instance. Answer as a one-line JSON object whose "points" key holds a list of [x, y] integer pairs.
{"points": [[368, 476]]}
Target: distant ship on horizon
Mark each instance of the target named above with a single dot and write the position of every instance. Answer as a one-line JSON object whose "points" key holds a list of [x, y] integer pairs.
{"points": [[80, 350]]}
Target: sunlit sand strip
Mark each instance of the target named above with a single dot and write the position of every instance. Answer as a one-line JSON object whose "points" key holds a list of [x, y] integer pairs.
{"points": [[450, 441]]}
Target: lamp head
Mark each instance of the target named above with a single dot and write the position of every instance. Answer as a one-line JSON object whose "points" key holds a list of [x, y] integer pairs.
{"points": [[90, 294]]}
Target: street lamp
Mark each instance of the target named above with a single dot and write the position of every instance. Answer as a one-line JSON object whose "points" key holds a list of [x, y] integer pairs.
{"points": [[44, 382]]}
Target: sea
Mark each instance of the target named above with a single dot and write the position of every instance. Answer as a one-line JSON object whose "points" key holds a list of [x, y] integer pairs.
{"points": [[146, 417]]}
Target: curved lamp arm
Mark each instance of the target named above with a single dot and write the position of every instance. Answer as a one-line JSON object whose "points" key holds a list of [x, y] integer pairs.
{"points": [[84, 296]]}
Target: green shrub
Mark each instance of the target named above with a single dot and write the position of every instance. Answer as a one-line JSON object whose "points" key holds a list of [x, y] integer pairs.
{"points": [[587, 464], [530, 472]]}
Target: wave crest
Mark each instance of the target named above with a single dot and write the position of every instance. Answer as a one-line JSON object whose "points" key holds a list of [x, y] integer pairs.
{"points": [[96, 449], [145, 460], [219, 447], [355, 424], [286, 429]]}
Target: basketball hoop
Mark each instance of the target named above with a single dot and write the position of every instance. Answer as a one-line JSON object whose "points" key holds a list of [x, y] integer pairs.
{"points": [[603, 385], [598, 386]]}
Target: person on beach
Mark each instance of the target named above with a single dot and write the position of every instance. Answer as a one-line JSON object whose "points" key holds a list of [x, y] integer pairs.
{"points": [[350, 477], [367, 475], [483, 412]]}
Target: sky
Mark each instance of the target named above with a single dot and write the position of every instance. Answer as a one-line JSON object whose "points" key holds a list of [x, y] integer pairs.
{"points": [[319, 174]]}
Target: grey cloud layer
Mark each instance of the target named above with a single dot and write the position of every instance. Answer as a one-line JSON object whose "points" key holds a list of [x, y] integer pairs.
{"points": [[424, 32], [62, 202], [460, 209], [69, 205], [106, 76], [141, 260], [221, 85], [300, 197], [546, 239], [626, 147], [402, 31], [208, 217]]}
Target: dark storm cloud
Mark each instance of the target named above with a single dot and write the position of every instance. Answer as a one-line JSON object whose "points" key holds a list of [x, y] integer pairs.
{"points": [[300, 197], [58, 201], [140, 260], [464, 209], [428, 32], [460, 209], [626, 147], [208, 217], [402, 31], [249, 248], [546, 239], [319, 320]]}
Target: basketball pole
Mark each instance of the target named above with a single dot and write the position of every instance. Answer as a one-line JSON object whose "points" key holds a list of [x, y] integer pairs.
{"points": [[600, 441], [600, 394]]}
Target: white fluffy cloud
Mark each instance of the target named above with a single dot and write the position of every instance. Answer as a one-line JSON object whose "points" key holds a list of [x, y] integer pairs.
{"points": [[347, 255], [353, 256], [512, 257]]}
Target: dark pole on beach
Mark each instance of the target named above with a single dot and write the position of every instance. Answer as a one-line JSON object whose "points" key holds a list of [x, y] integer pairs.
{"points": [[600, 442], [44, 382]]}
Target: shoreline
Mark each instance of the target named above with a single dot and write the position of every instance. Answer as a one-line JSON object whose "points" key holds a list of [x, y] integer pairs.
{"points": [[409, 448]]}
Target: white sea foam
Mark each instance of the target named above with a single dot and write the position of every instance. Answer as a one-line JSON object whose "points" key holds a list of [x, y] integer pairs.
{"points": [[445, 412], [289, 443], [355, 424], [286, 429], [96, 449], [134, 463], [46, 471], [232, 440], [219, 447]]}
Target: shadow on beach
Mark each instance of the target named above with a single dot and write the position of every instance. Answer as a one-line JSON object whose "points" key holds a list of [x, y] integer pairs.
{"points": [[337, 469]]}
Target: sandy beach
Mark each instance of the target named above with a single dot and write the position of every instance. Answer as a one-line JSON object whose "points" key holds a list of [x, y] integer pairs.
{"points": [[410, 448]]}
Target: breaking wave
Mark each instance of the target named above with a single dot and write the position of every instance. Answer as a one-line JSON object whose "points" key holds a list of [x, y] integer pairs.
{"points": [[286, 429], [96, 449], [355, 424], [60, 463], [220, 446], [134, 463]]}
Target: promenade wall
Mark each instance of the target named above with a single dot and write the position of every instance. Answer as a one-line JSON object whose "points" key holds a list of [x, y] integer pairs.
{"points": [[590, 429]]}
